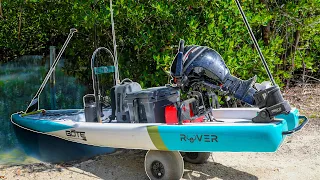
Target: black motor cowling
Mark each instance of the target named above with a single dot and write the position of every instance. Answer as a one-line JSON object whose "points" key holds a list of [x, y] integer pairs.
{"points": [[203, 64]]}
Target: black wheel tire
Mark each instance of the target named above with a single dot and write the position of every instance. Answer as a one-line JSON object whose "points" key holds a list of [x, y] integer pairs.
{"points": [[196, 157], [164, 165]]}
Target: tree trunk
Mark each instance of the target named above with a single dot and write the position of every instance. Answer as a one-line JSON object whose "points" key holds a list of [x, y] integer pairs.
{"points": [[293, 48], [296, 43], [266, 29], [266, 34], [1, 13], [20, 20]]}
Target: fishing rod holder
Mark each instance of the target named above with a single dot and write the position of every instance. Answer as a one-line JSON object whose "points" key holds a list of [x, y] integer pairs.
{"points": [[95, 71]]}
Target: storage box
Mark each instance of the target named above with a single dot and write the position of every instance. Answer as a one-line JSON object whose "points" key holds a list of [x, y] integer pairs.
{"points": [[120, 92], [148, 105]]}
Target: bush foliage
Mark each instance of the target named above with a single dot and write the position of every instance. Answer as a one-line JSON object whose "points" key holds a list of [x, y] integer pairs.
{"points": [[148, 33]]}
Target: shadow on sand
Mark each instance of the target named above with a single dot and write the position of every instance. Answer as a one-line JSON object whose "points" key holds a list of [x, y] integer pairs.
{"points": [[129, 164], [212, 170]]}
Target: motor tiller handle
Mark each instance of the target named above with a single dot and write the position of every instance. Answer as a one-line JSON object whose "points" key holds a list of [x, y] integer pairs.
{"points": [[179, 65]]}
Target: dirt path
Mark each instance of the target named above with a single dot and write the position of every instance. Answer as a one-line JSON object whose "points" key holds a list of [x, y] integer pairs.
{"points": [[298, 157]]}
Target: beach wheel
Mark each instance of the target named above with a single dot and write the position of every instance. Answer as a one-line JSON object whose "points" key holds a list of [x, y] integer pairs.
{"points": [[164, 165], [196, 157]]}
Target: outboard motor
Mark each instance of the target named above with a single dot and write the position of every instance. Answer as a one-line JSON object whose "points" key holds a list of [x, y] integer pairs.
{"points": [[199, 64], [203, 64]]}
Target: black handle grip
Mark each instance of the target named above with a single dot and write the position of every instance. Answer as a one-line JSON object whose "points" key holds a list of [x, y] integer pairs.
{"points": [[180, 59], [181, 45], [305, 120], [179, 112]]}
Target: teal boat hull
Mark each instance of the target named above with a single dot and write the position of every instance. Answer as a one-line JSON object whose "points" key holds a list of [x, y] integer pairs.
{"points": [[237, 133]]}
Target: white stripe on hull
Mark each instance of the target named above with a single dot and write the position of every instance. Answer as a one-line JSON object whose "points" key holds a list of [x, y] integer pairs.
{"points": [[109, 135]]}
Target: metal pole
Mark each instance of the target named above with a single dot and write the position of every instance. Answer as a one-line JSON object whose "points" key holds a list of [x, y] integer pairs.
{"points": [[114, 46], [34, 104], [53, 78], [95, 80], [255, 42]]}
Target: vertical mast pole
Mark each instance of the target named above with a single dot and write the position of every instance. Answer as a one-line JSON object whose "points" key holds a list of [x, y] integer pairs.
{"points": [[255, 42], [114, 46], [53, 78]]}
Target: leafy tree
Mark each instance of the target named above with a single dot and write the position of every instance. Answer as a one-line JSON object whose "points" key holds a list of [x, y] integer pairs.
{"points": [[148, 33]]}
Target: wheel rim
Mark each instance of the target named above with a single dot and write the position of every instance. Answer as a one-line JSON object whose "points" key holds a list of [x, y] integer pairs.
{"points": [[192, 155], [157, 169]]}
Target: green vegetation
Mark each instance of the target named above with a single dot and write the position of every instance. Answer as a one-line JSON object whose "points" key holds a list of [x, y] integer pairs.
{"points": [[148, 33], [19, 81]]}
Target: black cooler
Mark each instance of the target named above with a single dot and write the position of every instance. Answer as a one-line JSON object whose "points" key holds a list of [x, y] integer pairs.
{"points": [[148, 105]]}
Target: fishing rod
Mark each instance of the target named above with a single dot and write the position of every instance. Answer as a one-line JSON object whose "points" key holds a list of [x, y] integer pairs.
{"points": [[255, 42], [34, 104]]}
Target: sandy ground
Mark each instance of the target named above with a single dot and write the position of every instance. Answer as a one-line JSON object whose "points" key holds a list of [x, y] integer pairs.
{"points": [[298, 157]]}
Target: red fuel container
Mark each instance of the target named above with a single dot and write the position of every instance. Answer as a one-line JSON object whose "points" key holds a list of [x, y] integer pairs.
{"points": [[171, 115]]}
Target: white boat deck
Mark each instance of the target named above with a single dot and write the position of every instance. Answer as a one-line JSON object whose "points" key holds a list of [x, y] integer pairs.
{"points": [[221, 116]]}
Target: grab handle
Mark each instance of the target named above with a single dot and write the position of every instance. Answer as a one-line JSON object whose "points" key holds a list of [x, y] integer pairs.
{"points": [[304, 122]]}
